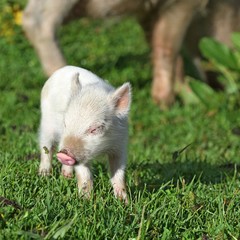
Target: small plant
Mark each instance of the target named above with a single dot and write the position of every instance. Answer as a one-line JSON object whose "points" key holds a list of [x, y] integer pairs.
{"points": [[11, 16], [225, 62]]}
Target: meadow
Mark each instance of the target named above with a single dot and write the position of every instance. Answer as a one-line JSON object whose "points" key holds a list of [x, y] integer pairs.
{"points": [[183, 164]]}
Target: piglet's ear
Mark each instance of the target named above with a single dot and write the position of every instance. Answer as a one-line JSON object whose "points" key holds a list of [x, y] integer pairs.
{"points": [[76, 85], [122, 99]]}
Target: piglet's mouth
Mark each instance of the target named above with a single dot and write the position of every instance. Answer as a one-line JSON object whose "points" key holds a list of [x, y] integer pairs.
{"points": [[65, 158]]}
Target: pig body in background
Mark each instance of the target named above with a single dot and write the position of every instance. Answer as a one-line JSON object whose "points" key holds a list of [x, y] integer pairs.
{"points": [[165, 23], [87, 117]]}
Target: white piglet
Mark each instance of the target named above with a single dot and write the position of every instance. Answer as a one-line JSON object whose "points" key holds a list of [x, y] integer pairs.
{"points": [[87, 117]]}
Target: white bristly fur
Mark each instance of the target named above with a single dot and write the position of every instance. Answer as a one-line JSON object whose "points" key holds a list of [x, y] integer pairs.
{"points": [[87, 117]]}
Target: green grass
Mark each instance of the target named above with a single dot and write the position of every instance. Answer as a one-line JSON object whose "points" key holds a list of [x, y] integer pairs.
{"points": [[193, 194]]}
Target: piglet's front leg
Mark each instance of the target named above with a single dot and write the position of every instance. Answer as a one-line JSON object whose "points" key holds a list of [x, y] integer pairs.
{"points": [[117, 164], [45, 167], [84, 180], [67, 171]]}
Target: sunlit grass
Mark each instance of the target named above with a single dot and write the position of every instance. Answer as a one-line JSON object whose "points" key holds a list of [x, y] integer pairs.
{"points": [[173, 194]]}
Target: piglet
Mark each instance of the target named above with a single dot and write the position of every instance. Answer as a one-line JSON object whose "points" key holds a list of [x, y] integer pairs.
{"points": [[86, 117]]}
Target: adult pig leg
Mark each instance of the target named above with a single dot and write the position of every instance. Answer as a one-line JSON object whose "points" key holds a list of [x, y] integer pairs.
{"points": [[167, 36], [225, 19], [40, 22]]}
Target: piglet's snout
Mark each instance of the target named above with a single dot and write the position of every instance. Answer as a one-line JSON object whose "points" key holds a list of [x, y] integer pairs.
{"points": [[66, 158]]}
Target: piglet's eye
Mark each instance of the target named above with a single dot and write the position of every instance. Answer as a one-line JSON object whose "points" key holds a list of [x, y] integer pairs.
{"points": [[94, 130]]}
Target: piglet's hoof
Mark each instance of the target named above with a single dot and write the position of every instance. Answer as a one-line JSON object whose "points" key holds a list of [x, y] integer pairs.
{"points": [[67, 174], [44, 172]]}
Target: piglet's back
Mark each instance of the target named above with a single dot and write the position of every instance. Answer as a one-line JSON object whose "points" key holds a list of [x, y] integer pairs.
{"points": [[58, 87], [61, 79]]}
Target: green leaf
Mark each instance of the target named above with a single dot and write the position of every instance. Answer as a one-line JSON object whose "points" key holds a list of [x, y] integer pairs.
{"points": [[205, 93], [62, 230], [236, 43], [218, 52], [236, 40]]}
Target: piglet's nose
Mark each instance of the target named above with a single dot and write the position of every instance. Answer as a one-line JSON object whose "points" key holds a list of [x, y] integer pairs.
{"points": [[65, 151], [66, 158]]}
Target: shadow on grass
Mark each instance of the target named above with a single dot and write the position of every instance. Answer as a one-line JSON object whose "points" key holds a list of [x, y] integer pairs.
{"points": [[152, 176]]}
